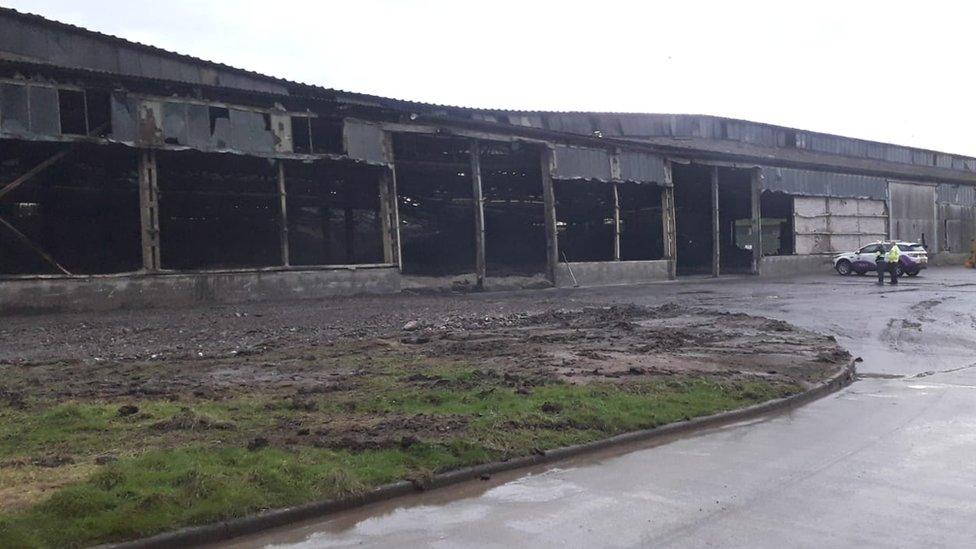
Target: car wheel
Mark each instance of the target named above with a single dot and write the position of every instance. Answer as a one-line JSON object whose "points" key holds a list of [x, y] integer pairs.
{"points": [[843, 267], [912, 273]]}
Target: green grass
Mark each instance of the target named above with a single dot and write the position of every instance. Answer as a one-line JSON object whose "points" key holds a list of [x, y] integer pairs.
{"points": [[165, 479]]}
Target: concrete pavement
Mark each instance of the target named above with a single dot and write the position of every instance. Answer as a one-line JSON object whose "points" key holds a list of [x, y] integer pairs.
{"points": [[887, 462]]}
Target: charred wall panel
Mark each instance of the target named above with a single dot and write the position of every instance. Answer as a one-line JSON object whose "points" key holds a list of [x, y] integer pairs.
{"points": [[581, 163], [14, 112], [641, 167], [364, 142]]}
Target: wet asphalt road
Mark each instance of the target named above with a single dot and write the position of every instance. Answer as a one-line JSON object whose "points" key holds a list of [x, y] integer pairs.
{"points": [[888, 462]]}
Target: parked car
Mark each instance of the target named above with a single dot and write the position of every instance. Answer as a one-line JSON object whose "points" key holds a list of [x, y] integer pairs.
{"points": [[913, 259]]}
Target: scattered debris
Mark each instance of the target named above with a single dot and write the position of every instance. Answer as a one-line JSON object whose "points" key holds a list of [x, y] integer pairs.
{"points": [[257, 443]]}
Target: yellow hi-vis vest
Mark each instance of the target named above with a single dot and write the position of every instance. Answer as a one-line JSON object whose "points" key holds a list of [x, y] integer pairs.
{"points": [[893, 254]]}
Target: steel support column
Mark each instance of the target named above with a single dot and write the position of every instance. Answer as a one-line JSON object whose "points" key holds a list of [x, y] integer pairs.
{"points": [[716, 229], [479, 213], [149, 210], [756, 192], [549, 203], [667, 217], [283, 215]]}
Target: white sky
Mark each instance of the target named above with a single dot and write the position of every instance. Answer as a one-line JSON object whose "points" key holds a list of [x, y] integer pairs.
{"points": [[900, 72]]}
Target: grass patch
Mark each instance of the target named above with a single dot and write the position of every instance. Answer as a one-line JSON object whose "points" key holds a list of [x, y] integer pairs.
{"points": [[185, 463]]}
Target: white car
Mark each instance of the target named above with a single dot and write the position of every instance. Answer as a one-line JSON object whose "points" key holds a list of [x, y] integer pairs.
{"points": [[913, 259]]}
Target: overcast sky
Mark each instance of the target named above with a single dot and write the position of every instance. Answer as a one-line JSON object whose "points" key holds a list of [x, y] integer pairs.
{"points": [[900, 72]]}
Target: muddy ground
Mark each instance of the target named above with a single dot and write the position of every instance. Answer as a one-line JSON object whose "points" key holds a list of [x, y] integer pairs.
{"points": [[593, 343], [79, 394]]}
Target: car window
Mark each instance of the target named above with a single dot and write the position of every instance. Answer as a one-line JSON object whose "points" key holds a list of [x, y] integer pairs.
{"points": [[911, 248], [873, 248]]}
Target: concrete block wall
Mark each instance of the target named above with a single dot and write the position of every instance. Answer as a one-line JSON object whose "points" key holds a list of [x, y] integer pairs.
{"points": [[790, 265], [608, 273], [101, 293]]}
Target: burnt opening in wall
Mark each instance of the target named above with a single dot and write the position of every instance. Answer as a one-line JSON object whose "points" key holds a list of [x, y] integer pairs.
{"points": [[693, 218], [641, 223], [71, 105], [434, 194], [82, 211], [217, 211], [301, 138], [326, 135], [515, 234], [584, 220], [777, 223], [333, 213], [735, 220], [217, 113]]}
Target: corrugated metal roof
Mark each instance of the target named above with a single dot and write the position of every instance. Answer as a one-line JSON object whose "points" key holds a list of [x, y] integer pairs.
{"points": [[610, 124]]}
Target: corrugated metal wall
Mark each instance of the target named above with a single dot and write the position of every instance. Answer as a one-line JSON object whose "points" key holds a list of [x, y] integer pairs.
{"points": [[595, 164], [913, 213], [641, 167], [811, 183], [581, 163], [957, 217]]}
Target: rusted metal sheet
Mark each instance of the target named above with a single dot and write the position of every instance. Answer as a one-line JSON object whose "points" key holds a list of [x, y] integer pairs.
{"points": [[811, 183], [581, 163], [642, 167], [364, 142]]}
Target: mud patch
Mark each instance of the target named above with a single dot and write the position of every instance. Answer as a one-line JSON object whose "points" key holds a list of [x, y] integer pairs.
{"points": [[619, 342]]}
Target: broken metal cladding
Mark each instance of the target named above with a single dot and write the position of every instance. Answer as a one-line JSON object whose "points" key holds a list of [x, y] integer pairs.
{"points": [[813, 183], [117, 157]]}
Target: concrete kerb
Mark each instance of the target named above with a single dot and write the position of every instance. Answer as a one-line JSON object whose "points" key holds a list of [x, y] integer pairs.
{"points": [[225, 530]]}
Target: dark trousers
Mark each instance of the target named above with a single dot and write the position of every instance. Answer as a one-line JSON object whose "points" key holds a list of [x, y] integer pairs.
{"points": [[885, 267]]}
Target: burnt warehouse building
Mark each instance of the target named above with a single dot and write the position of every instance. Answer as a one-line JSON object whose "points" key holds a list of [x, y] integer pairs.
{"points": [[134, 176]]}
